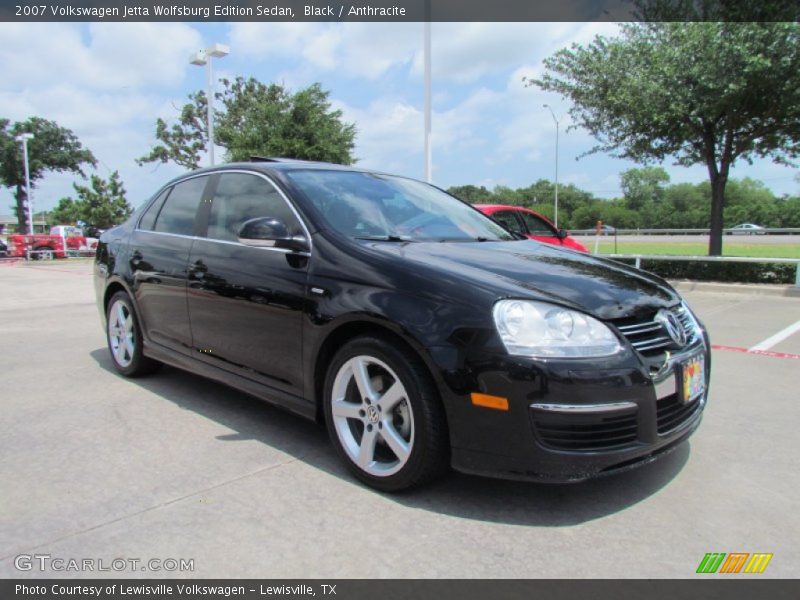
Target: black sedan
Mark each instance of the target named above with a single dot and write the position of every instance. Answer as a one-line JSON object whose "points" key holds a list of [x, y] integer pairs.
{"points": [[421, 332]]}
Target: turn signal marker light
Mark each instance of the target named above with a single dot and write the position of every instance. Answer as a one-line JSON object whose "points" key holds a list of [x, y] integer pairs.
{"points": [[487, 401]]}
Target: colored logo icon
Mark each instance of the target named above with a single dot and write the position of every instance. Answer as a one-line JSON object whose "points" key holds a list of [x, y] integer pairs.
{"points": [[735, 562]]}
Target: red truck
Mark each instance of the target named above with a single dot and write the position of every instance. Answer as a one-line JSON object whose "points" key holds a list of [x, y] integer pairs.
{"points": [[52, 245]]}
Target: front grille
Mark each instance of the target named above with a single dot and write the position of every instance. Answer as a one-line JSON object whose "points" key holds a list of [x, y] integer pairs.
{"points": [[649, 337], [586, 432], [671, 413]]}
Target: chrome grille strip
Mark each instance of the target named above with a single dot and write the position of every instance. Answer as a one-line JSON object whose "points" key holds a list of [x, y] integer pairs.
{"points": [[649, 335]]}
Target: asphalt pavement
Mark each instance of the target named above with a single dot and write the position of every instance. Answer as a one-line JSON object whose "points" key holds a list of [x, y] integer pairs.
{"points": [[94, 466]]}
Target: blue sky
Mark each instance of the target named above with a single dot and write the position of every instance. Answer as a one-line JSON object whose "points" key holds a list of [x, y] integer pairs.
{"points": [[108, 82]]}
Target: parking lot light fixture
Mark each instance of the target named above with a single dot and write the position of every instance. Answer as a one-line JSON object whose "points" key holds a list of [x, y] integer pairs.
{"points": [[203, 58], [550, 108], [23, 139]]}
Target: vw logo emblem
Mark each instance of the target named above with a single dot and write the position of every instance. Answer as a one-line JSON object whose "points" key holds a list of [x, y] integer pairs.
{"points": [[373, 416], [672, 326]]}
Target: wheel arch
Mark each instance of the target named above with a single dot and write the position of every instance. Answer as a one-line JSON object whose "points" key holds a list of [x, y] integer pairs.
{"points": [[352, 329], [112, 288]]}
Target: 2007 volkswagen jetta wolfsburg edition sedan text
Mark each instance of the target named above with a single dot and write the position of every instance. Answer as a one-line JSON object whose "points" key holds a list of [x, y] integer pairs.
{"points": [[421, 332]]}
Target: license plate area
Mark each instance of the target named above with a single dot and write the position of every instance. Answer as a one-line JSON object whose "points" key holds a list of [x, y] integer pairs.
{"points": [[692, 379]]}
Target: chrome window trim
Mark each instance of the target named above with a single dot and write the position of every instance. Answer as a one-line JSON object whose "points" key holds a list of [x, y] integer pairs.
{"points": [[205, 239], [208, 239]]}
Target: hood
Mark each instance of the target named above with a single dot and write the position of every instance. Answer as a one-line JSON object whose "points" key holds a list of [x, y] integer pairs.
{"points": [[532, 270]]}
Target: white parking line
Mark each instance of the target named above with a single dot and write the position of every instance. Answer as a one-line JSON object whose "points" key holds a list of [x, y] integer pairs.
{"points": [[777, 338]]}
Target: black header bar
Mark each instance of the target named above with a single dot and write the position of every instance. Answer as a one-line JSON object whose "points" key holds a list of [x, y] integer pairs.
{"points": [[397, 10]]}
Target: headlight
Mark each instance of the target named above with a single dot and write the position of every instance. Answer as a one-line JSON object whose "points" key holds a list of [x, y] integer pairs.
{"points": [[530, 328]]}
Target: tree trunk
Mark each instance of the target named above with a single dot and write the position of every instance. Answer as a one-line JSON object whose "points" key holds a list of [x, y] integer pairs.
{"points": [[22, 215], [717, 205]]}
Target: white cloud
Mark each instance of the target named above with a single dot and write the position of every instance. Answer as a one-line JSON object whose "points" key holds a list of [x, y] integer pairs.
{"points": [[106, 82], [120, 56]]}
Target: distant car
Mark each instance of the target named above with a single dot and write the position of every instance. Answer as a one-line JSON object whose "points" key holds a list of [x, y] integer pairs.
{"points": [[607, 230], [530, 224], [748, 229], [3, 248]]}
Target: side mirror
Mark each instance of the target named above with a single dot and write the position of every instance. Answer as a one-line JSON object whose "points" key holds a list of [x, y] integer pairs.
{"points": [[562, 234], [270, 232]]}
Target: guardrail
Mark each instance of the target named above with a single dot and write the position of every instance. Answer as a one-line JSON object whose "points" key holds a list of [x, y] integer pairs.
{"points": [[638, 258], [767, 231], [51, 254]]}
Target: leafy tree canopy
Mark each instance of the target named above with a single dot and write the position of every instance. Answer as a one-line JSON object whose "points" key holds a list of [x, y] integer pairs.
{"points": [[257, 119], [707, 93], [52, 148], [671, 206], [100, 205]]}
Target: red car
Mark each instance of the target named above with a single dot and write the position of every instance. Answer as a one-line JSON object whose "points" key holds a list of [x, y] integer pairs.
{"points": [[531, 224]]}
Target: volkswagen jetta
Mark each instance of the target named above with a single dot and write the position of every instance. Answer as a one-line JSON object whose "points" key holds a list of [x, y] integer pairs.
{"points": [[421, 332]]}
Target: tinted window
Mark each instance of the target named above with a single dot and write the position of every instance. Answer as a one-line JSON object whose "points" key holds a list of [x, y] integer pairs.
{"points": [[180, 209], [508, 220], [537, 226], [373, 206], [149, 217], [241, 197]]}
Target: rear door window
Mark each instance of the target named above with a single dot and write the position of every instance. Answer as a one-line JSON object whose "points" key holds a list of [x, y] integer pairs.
{"points": [[148, 220], [180, 209]]}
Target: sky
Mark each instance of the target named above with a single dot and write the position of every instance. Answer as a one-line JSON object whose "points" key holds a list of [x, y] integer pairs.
{"points": [[109, 81]]}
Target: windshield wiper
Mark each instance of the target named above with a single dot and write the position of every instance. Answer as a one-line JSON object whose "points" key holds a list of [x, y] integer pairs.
{"points": [[383, 238]]}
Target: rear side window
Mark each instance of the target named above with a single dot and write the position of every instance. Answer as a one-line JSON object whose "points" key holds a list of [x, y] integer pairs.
{"points": [[240, 197], [149, 218], [508, 220], [180, 209]]}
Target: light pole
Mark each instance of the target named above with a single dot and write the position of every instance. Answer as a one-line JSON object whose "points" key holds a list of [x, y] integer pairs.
{"points": [[203, 57], [555, 220], [427, 84], [23, 139]]}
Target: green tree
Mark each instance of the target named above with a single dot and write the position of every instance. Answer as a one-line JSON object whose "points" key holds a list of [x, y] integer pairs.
{"points": [[788, 212], [53, 148], [255, 119], [643, 187], [472, 194], [612, 212], [100, 205], [704, 93]]}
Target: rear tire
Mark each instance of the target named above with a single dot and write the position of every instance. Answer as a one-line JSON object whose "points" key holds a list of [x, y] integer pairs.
{"points": [[384, 415], [124, 337], [43, 253]]}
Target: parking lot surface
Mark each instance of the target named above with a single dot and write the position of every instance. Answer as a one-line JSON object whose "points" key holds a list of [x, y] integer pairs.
{"points": [[174, 466]]}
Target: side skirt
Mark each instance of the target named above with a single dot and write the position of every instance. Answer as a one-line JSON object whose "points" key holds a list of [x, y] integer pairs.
{"points": [[279, 398]]}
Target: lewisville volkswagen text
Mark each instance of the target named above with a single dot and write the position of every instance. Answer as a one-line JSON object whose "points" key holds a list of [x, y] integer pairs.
{"points": [[420, 331]]}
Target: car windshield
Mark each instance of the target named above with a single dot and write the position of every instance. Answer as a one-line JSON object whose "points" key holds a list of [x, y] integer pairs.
{"points": [[383, 207]]}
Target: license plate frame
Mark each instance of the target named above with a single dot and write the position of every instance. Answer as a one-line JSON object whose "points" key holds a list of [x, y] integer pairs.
{"points": [[692, 384]]}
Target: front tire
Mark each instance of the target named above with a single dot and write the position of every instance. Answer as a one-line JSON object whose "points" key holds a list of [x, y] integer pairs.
{"points": [[124, 338], [384, 415]]}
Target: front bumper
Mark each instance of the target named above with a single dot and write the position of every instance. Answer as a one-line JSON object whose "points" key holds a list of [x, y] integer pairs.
{"points": [[569, 421]]}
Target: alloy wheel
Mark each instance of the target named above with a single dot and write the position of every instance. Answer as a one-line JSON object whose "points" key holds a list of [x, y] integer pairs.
{"points": [[121, 333], [372, 416]]}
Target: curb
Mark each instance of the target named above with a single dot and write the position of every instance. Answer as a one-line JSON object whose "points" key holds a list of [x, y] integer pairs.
{"points": [[755, 289]]}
